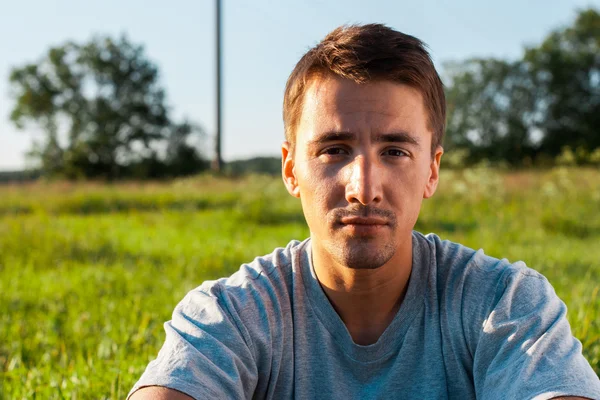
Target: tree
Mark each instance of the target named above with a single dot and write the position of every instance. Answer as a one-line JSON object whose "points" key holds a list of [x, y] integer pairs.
{"points": [[103, 99], [566, 69], [535, 106], [492, 108]]}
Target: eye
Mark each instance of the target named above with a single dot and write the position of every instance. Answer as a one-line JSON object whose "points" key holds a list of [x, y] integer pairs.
{"points": [[334, 151], [395, 153]]}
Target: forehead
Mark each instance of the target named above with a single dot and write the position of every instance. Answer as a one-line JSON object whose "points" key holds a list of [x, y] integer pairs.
{"points": [[337, 104]]}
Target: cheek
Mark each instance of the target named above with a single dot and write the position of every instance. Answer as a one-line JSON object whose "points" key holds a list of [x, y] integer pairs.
{"points": [[419, 178], [316, 199], [314, 209], [406, 189], [319, 191]]}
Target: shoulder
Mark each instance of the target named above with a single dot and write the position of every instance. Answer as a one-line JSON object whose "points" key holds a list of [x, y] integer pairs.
{"points": [[225, 333], [266, 279], [507, 325], [255, 298], [457, 265], [249, 310], [472, 287], [263, 274]]}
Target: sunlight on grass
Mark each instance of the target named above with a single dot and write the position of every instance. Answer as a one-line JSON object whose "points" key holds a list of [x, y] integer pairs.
{"points": [[90, 272]]}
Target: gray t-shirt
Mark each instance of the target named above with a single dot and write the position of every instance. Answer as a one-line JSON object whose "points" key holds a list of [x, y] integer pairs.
{"points": [[470, 326]]}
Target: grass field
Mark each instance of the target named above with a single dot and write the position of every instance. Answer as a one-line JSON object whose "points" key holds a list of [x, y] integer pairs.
{"points": [[89, 272]]}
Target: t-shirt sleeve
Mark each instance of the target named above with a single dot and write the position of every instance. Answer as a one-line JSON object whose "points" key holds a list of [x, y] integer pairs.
{"points": [[525, 349], [207, 353]]}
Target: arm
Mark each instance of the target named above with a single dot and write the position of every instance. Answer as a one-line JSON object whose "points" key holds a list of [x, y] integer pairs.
{"points": [[571, 398], [207, 353], [159, 393]]}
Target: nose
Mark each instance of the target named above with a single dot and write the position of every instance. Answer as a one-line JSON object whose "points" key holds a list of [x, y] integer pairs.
{"points": [[365, 182]]}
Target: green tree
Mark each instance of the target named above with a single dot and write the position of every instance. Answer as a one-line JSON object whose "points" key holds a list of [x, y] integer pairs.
{"points": [[535, 106], [492, 107], [566, 69], [105, 99]]}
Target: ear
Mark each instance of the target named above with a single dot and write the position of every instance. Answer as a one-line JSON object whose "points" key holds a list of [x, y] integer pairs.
{"points": [[434, 173], [288, 169]]}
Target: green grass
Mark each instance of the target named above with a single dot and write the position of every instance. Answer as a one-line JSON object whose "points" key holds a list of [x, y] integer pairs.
{"points": [[89, 272]]}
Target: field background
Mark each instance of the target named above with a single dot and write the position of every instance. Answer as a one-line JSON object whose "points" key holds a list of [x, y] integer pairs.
{"points": [[89, 272]]}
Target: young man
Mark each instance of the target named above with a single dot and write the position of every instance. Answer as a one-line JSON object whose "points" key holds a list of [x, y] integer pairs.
{"points": [[367, 308]]}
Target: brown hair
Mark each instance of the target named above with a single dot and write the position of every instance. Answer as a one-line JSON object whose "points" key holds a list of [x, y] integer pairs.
{"points": [[364, 53]]}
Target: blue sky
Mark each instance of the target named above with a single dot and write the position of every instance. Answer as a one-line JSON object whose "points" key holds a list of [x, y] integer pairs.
{"points": [[263, 39]]}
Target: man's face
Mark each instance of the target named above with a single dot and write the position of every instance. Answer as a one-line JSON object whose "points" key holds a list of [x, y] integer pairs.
{"points": [[361, 167]]}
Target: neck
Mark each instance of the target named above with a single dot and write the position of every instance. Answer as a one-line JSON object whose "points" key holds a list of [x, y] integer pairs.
{"points": [[366, 300]]}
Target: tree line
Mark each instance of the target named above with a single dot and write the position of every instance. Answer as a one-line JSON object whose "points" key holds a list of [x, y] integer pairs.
{"points": [[538, 109], [104, 114]]}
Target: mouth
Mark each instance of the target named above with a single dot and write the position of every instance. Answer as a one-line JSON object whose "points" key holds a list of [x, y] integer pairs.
{"points": [[363, 221], [363, 226]]}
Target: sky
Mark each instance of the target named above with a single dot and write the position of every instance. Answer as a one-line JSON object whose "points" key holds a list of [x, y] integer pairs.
{"points": [[262, 41]]}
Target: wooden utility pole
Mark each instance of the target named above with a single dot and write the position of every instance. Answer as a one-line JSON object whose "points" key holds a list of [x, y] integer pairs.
{"points": [[217, 162]]}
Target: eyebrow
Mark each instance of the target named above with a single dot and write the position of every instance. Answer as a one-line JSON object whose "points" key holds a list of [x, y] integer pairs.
{"points": [[393, 137]]}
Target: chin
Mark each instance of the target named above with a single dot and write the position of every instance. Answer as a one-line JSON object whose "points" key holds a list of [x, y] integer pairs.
{"points": [[364, 254]]}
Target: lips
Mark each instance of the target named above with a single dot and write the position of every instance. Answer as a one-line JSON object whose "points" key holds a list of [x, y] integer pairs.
{"points": [[363, 226], [366, 221], [363, 221]]}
